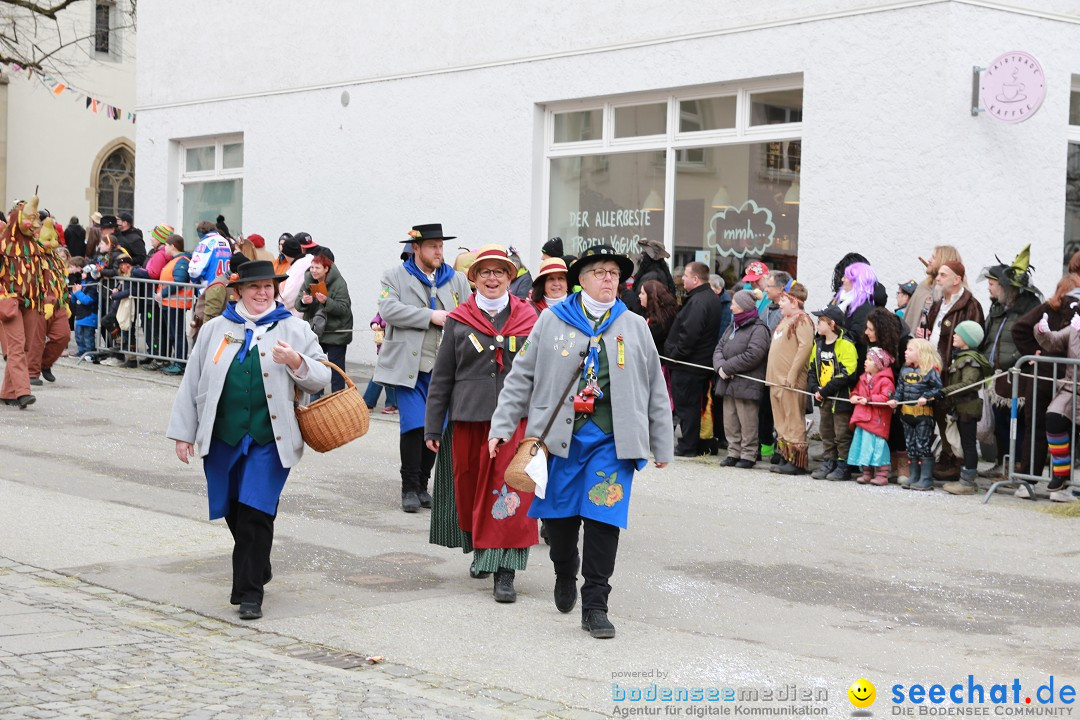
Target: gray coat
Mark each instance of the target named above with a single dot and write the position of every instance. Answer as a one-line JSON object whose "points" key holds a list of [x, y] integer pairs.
{"points": [[465, 380], [404, 305], [196, 402], [742, 351], [641, 410]]}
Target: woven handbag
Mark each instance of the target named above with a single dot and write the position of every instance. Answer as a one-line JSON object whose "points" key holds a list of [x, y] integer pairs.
{"points": [[335, 419], [515, 475]]}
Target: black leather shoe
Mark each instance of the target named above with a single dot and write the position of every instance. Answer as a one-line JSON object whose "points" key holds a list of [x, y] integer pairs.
{"points": [[410, 502], [745, 464], [597, 623], [36, 381], [477, 574], [789, 469], [565, 593], [504, 591], [425, 499], [47, 374], [729, 462], [250, 611], [22, 402]]}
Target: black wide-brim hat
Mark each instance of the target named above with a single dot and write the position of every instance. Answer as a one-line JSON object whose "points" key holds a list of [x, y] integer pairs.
{"points": [[595, 254], [254, 270], [432, 231]]}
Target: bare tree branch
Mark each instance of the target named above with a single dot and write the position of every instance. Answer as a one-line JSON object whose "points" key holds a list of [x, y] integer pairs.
{"points": [[40, 9], [34, 34]]}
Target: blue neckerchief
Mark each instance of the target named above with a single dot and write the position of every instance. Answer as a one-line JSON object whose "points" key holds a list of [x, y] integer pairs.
{"points": [[443, 274], [572, 312], [278, 314]]}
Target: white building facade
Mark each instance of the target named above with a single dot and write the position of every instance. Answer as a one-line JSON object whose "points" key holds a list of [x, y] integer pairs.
{"points": [[58, 131], [791, 132]]}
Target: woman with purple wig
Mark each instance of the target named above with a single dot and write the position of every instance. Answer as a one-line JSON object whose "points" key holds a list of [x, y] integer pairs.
{"points": [[856, 297]]}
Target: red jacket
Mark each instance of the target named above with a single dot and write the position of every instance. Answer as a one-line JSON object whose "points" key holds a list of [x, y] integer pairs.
{"points": [[876, 419]]}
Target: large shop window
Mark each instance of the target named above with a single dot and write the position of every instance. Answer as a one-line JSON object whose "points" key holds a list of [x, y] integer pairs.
{"points": [[1072, 178], [212, 183], [725, 161]]}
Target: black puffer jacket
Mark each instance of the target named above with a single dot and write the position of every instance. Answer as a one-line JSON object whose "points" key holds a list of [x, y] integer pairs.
{"points": [[696, 328]]}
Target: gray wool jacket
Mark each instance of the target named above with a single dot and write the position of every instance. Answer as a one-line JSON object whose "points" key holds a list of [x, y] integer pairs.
{"points": [[404, 305], [742, 351], [641, 410]]}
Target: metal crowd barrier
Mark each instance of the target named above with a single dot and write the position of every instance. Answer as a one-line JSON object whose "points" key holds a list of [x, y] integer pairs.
{"points": [[1029, 366], [152, 327]]}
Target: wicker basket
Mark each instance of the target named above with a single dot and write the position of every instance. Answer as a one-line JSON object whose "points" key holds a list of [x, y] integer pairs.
{"points": [[335, 419], [515, 475]]}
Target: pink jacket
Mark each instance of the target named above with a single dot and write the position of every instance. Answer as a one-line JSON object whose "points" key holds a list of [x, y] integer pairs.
{"points": [[876, 419]]}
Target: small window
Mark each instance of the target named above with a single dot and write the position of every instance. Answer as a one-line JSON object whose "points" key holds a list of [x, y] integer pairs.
{"points": [[578, 126], [200, 159], [707, 114], [776, 108], [640, 120], [1074, 107], [102, 27], [232, 156]]}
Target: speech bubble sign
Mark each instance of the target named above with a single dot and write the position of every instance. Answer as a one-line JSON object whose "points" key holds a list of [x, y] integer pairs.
{"points": [[747, 230]]}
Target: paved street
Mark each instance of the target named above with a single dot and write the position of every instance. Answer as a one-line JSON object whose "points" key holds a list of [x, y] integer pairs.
{"points": [[114, 590]]}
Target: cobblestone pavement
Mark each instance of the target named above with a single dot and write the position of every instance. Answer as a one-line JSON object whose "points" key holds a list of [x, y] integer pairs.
{"points": [[72, 649]]}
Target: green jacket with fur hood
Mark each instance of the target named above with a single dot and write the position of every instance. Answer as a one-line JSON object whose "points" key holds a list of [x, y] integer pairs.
{"points": [[339, 318]]}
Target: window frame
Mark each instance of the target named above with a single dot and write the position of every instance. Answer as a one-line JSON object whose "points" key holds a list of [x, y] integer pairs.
{"points": [[218, 173], [673, 141]]}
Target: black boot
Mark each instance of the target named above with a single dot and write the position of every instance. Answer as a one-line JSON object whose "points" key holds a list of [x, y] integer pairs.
{"points": [[504, 586], [410, 447], [566, 591], [597, 623]]}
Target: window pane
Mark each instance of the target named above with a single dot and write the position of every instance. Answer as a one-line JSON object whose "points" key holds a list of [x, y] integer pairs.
{"points": [[613, 199], [578, 126], [101, 27], [1072, 203], [737, 205], [200, 159], [232, 156], [207, 200], [708, 114], [640, 120], [1074, 107], [774, 108]]}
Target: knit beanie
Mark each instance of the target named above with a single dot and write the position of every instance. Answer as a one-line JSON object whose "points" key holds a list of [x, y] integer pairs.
{"points": [[970, 332], [880, 356], [745, 300], [957, 267], [291, 248], [257, 240], [161, 233]]}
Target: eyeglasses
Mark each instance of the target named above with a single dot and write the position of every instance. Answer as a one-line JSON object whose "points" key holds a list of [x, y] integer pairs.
{"points": [[601, 274], [497, 273]]}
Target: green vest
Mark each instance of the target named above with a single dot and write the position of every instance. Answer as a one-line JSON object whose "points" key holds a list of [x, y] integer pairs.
{"points": [[242, 409], [601, 408]]}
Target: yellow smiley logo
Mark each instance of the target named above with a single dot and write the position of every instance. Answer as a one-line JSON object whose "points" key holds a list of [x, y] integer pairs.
{"points": [[862, 693]]}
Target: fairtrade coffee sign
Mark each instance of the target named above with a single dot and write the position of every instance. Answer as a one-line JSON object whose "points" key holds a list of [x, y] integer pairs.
{"points": [[748, 230], [1012, 87]]}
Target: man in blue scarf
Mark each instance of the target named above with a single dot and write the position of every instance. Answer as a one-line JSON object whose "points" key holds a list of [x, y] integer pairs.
{"points": [[415, 299]]}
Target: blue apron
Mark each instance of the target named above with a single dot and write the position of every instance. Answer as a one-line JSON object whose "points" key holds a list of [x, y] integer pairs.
{"points": [[247, 472], [591, 482], [412, 403]]}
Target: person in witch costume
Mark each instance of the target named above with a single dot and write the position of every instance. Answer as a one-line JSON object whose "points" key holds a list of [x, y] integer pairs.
{"points": [[616, 413], [236, 403], [480, 341], [415, 299]]}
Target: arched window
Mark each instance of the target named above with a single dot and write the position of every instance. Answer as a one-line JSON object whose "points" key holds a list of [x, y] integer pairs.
{"points": [[116, 183]]}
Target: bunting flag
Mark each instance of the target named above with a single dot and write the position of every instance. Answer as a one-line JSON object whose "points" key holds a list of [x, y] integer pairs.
{"points": [[93, 104]]}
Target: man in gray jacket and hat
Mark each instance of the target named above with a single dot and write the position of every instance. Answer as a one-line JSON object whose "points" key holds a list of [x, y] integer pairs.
{"points": [[415, 299]]}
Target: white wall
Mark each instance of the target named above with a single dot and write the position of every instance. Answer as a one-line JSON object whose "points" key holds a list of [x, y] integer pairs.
{"points": [[893, 162], [53, 141]]}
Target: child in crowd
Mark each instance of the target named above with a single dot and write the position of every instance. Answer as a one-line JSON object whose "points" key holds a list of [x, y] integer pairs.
{"points": [[903, 296], [1060, 411], [920, 381], [833, 362], [871, 423], [742, 351], [84, 296], [789, 353], [968, 366]]}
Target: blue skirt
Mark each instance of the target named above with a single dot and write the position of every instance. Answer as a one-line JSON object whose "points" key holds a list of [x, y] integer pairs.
{"points": [[412, 403], [868, 449], [591, 482], [248, 472]]}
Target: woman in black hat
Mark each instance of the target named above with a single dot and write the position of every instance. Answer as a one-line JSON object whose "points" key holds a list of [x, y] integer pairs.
{"points": [[236, 404]]}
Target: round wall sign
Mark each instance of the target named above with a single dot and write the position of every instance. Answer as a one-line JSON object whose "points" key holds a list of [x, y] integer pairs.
{"points": [[1012, 87]]}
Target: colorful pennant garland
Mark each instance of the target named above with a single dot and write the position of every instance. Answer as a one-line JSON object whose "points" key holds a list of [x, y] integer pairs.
{"points": [[93, 104]]}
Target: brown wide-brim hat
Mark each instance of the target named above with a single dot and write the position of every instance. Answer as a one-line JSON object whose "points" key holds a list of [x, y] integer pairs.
{"points": [[431, 231], [254, 270], [491, 253], [551, 266], [595, 254]]}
